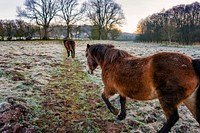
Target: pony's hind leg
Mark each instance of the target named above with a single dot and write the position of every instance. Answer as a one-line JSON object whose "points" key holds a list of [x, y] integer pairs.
{"points": [[73, 49], [171, 113], [73, 53], [122, 114], [196, 65], [109, 105], [192, 103], [172, 118], [68, 53], [170, 97], [198, 105]]}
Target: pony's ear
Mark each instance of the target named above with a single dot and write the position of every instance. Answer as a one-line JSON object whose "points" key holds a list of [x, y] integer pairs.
{"points": [[88, 45]]}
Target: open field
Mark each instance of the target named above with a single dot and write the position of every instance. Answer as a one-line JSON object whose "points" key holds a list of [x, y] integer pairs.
{"points": [[44, 91]]}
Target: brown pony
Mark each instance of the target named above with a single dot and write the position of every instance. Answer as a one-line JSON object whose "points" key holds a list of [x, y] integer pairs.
{"points": [[70, 46], [173, 78]]}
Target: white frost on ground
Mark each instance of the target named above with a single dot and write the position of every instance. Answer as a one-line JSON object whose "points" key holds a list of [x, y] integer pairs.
{"points": [[23, 63], [31, 61]]}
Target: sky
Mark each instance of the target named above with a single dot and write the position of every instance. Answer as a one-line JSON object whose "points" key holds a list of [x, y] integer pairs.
{"points": [[134, 10]]}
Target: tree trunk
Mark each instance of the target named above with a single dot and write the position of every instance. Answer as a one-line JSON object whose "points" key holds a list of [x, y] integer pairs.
{"points": [[45, 37], [169, 37], [68, 31], [99, 36]]}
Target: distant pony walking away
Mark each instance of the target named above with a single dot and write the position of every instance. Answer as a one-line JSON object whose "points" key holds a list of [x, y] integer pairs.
{"points": [[172, 78], [70, 46]]}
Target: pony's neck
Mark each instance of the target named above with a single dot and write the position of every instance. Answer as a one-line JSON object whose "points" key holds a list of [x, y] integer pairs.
{"points": [[100, 59]]}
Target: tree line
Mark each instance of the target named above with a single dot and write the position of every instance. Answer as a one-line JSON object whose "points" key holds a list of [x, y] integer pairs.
{"points": [[179, 24], [18, 29], [104, 16]]}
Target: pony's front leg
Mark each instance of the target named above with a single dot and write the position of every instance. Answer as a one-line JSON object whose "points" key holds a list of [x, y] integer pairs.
{"points": [[109, 105], [122, 114]]}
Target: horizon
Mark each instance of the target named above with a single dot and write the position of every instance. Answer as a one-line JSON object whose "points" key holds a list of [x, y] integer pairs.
{"points": [[134, 10]]}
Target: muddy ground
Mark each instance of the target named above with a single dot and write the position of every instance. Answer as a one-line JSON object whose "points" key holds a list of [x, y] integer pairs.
{"points": [[41, 90]]}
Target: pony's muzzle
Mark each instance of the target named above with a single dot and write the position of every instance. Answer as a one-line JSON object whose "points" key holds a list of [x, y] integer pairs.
{"points": [[89, 71]]}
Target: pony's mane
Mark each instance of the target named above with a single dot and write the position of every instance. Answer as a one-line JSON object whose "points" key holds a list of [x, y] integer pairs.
{"points": [[108, 53]]}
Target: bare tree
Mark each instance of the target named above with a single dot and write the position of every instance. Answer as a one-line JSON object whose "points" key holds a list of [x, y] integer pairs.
{"points": [[105, 15], [70, 13], [42, 11]]}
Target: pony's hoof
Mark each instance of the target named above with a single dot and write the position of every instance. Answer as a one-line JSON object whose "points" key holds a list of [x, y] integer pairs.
{"points": [[121, 117]]}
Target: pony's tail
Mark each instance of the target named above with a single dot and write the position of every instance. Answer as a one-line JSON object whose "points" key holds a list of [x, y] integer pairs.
{"points": [[196, 65]]}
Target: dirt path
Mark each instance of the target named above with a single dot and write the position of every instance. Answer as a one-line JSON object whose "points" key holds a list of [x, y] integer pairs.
{"points": [[57, 95]]}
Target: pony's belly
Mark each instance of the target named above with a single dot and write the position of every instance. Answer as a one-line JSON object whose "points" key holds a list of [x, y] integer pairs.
{"points": [[143, 94]]}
